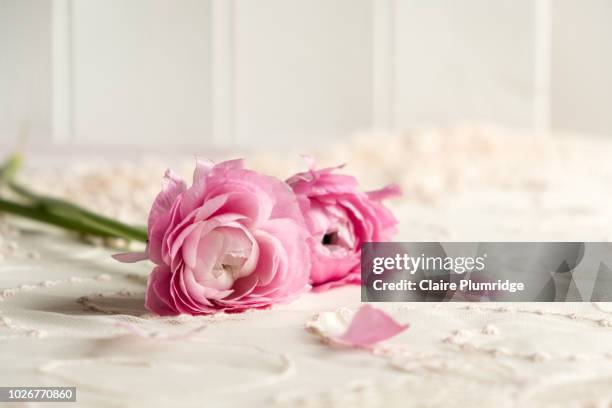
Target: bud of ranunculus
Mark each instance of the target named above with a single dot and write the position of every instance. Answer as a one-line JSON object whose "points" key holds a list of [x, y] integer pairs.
{"points": [[340, 218]]}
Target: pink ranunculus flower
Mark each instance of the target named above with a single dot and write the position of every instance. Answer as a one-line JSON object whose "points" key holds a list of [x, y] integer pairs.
{"points": [[340, 218], [233, 241]]}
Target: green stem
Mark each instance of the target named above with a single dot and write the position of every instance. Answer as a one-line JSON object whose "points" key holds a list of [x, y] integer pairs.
{"points": [[60, 212], [38, 214], [68, 208]]}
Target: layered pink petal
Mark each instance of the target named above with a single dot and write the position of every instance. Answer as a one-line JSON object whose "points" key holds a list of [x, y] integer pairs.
{"points": [[158, 298], [339, 218], [172, 187], [390, 191], [234, 240]]}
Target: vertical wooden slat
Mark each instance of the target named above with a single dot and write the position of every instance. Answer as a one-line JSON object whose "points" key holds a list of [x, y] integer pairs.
{"points": [[222, 23], [581, 83], [383, 60], [542, 102]]}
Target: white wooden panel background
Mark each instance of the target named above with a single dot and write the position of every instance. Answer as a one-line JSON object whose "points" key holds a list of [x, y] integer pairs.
{"points": [[581, 76], [303, 69], [25, 69], [465, 60], [241, 73], [141, 71]]}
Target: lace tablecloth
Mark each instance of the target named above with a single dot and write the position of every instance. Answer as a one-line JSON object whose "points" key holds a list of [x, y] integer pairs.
{"points": [[70, 315]]}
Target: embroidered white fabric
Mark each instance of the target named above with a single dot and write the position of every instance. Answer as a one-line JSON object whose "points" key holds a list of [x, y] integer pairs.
{"points": [[70, 315]]}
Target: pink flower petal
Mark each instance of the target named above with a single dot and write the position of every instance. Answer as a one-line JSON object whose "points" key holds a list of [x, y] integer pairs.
{"points": [[353, 278], [390, 191], [206, 242], [203, 168], [158, 298], [172, 187], [235, 164], [333, 207], [131, 257], [370, 326]]}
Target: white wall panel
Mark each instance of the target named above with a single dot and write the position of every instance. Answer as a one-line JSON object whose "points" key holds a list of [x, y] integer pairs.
{"points": [[581, 80], [193, 73], [25, 71], [303, 70], [464, 60], [141, 72]]}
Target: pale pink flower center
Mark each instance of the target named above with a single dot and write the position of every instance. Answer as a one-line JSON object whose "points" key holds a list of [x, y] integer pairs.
{"points": [[222, 256], [226, 270]]}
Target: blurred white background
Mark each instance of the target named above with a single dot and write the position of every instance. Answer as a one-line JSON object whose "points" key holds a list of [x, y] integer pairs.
{"points": [[184, 74]]}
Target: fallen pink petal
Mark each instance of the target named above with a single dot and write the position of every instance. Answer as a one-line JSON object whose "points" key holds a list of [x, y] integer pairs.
{"points": [[364, 329], [370, 326]]}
